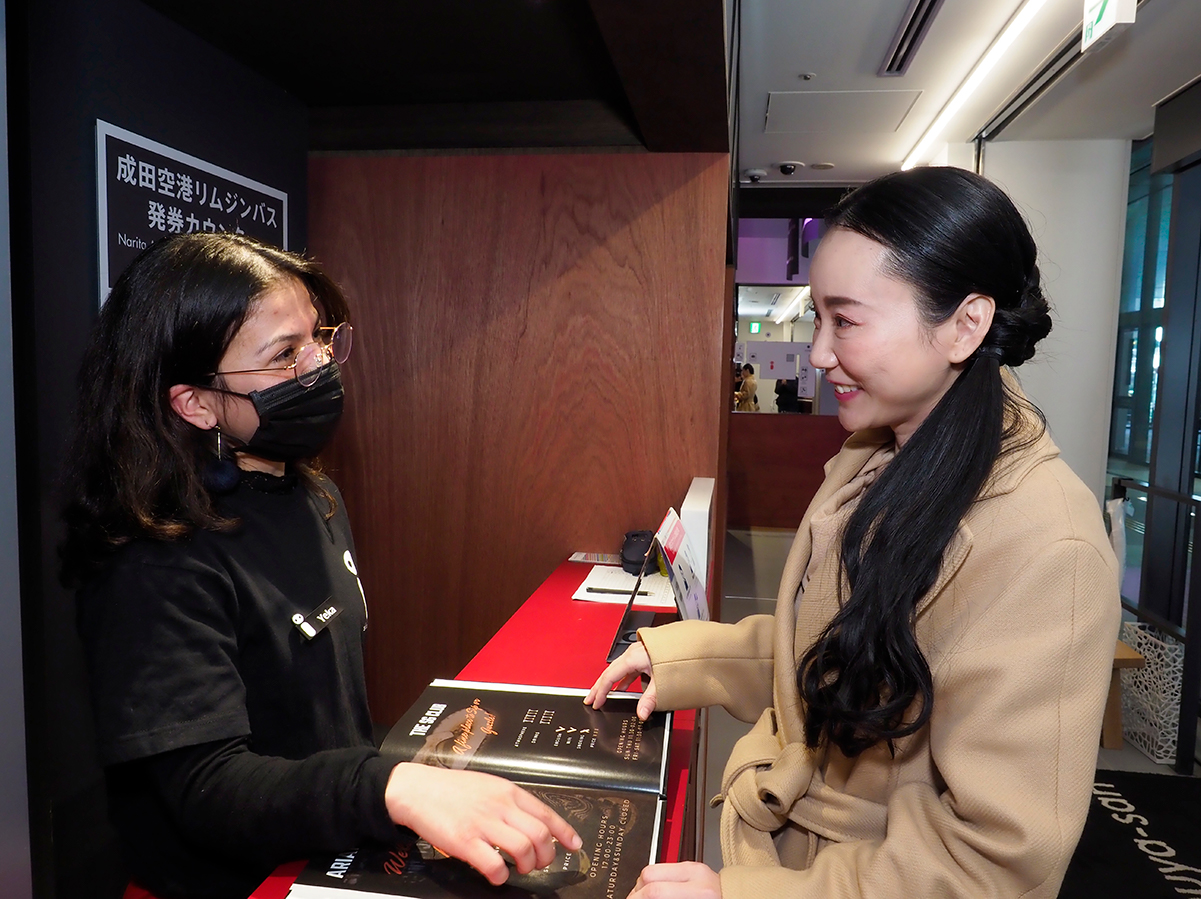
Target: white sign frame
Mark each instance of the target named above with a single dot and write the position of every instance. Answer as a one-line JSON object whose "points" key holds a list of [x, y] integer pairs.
{"points": [[107, 129], [1104, 20]]}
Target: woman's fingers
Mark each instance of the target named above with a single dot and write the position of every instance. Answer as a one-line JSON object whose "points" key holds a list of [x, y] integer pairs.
{"points": [[475, 816], [543, 828], [683, 880], [631, 662], [648, 699], [485, 859]]}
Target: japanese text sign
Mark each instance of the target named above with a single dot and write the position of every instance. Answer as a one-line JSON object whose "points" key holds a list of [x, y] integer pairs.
{"points": [[147, 191]]}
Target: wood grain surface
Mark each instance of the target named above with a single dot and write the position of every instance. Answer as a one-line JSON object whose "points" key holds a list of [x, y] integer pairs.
{"points": [[537, 369], [775, 465]]}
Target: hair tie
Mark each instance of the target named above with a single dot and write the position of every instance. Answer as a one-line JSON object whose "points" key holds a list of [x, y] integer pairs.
{"points": [[991, 351]]}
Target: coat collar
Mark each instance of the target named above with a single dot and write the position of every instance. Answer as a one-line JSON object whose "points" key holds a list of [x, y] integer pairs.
{"points": [[1028, 446]]}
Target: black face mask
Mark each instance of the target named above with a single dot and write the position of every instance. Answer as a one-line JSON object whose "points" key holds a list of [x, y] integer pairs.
{"points": [[296, 422]]}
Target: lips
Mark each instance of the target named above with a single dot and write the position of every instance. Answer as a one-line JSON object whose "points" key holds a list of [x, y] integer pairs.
{"points": [[844, 392]]}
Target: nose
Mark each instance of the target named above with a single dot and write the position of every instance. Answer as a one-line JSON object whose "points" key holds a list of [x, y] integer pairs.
{"points": [[822, 354]]}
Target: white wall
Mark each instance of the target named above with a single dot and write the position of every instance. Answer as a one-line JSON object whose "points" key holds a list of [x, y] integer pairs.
{"points": [[1073, 194]]}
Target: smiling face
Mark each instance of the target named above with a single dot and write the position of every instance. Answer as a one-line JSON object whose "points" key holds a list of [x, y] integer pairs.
{"points": [[889, 367]]}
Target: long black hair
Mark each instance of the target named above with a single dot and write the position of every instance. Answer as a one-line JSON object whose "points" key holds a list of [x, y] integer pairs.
{"points": [[947, 233], [135, 467]]}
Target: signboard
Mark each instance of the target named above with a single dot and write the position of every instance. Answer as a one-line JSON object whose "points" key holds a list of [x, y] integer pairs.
{"points": [[1105, 19], [806, 379], [147, 191], [776, 359], [686, 584]]}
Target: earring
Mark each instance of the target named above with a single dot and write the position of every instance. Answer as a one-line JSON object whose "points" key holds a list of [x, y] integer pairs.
{"points": [[221, 473]]}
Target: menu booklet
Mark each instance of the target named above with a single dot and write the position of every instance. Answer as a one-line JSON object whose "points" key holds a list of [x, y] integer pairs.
{"points": [[604, 771]]}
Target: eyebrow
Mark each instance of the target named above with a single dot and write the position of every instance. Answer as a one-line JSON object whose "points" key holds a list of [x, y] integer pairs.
{"points": [[278, 341], [838, 302]]}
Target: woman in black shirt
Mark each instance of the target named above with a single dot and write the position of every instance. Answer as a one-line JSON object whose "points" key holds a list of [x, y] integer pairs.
{"points": [[219, 600]]}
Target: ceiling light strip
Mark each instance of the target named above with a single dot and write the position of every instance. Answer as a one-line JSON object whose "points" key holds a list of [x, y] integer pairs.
{"points": [[998, 49], [802, 296]]}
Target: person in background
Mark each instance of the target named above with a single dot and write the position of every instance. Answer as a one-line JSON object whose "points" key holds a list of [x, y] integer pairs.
{"points": [[786, 395], [745, 399], [219, 601], [929, 693]]}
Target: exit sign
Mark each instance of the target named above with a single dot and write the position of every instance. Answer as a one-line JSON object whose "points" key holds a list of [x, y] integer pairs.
{"points": [[1104, 20], [754, 327]]}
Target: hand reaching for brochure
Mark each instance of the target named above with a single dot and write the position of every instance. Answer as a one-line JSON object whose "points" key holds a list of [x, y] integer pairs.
{"points": [[634, 661], [683, 880], [475, 817]]}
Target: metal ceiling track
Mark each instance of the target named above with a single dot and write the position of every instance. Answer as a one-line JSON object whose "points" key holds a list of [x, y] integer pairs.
{"points": [[912, 31]]}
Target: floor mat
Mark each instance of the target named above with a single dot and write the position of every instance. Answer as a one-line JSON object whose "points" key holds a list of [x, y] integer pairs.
{"points": [[1142, 839]]}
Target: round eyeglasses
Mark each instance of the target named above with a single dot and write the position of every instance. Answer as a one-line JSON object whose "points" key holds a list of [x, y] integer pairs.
{"points": [[332, 344]]}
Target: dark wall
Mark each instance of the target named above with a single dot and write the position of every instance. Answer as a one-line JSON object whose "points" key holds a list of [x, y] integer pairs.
{"points": [[1178, 132], [71, 62]]}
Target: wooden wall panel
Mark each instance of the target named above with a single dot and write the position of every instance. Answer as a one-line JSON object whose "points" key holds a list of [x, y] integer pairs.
{"points": [[776, 465], [537, 369]]}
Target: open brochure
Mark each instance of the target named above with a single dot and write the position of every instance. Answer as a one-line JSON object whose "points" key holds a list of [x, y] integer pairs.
{"points": [[604, 771]]}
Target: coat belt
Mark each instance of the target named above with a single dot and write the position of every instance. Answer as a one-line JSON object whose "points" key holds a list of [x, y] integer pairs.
{"points": [[768, 783]]}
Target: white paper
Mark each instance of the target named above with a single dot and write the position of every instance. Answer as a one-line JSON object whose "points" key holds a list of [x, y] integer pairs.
{"points": [[596, 558], [612, 578]]}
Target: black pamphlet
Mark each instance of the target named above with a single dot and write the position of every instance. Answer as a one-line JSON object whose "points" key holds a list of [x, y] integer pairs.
{"points": [[604, 771]]}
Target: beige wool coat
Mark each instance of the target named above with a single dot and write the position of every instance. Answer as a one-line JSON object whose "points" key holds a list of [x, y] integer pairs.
{"points": [[988, 799]]}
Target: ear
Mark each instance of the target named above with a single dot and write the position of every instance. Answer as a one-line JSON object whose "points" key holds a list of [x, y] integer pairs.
{"points": [[969, 326], [193, 405]]}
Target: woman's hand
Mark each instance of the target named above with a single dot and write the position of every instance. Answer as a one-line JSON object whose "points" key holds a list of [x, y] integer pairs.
{"points": [[475, 816], [634, 661], [683, 880]]}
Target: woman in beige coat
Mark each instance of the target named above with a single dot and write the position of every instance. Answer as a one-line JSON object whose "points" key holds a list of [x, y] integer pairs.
{"points": [[744, 397], [929, 693]]}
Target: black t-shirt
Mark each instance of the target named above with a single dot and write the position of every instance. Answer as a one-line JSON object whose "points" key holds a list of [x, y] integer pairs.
{"points": [[231, 740]]}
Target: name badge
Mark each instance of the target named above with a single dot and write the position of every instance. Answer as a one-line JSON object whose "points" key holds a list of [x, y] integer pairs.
{"points": [[316, 621]]}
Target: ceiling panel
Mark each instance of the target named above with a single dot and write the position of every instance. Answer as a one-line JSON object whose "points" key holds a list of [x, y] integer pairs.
{"points": [[841, 45], [837, 112]]}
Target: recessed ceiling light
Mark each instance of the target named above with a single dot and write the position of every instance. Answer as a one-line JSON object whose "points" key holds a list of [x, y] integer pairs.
{"points": [[821, 166]]}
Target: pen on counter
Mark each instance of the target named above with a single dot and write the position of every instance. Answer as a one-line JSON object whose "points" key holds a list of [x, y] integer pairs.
{"points": [[617, 592]]}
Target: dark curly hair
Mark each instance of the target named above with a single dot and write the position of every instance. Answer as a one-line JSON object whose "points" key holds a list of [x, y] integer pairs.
{"points": [[947, 233], [135, 467]]}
